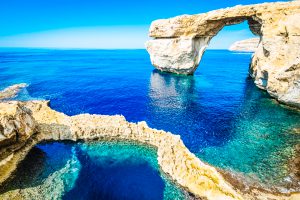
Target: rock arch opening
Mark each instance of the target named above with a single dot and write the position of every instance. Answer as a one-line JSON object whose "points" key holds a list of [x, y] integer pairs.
{"points": [[180, 42], [236, 37], [182, 54]]}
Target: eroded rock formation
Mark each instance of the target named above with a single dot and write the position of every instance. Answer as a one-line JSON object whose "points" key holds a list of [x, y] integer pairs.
{"points": [[41, 123], [173, 157], [25, 124], [248, 45], [180, 42]]}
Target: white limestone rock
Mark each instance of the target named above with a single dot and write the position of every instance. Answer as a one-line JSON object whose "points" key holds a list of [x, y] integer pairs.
{"points": [[177, 55], [248, 45], [275, 63]]}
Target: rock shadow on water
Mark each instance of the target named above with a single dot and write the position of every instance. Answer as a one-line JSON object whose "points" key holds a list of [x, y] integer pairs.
{"points": [[28, 172], [111, 180]]}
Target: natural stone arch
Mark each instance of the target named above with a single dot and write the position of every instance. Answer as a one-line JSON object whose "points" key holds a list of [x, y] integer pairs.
{"points": [[182, 54], [180, 42]]}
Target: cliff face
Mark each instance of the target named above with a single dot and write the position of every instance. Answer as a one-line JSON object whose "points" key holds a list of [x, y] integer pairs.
{"points": [[17, 128], [248, 45], [179, 43]]}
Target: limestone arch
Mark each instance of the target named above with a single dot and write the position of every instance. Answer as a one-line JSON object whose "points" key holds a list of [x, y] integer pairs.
{"points": [[179, 43], [182, 54]]}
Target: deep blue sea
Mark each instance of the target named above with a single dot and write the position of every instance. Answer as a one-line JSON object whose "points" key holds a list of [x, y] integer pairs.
{"points": [[219, 113]]}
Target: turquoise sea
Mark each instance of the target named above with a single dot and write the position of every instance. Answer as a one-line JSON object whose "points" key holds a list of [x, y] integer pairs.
{"points": [[221, 116]]}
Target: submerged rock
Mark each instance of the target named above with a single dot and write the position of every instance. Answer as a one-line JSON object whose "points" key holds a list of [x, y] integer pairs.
{"points": [[25, 124], [180, 42], [12, 91], [53, 187], [294, 163], [248, 45], [173, 157], [44, 124]]}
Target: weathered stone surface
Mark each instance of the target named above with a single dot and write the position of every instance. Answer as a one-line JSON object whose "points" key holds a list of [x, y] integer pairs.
{"points": [[173, 157], [210, 23], [11, 91], [275, 67], [16, 127], [16, 123], [177, 55], [248, 45], [25, 124], [276, 63]]}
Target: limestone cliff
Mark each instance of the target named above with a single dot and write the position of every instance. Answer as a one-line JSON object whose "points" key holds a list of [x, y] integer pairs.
{"points": [[248, 45], [179, 43]]}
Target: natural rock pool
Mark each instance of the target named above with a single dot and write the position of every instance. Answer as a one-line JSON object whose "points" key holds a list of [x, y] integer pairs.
{"points": [[99, 170], [220, 114]]}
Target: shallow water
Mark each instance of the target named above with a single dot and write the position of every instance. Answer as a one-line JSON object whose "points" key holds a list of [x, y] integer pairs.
{"points": [[101, 170], [220, 114]]}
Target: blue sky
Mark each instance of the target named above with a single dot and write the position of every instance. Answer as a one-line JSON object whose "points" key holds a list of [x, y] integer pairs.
{"points": [[100, 23]]}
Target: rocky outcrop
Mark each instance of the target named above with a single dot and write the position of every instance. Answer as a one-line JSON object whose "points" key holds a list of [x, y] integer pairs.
{"points": [[177, 55], [45, 124], [17, 127], [173, 157], [16, 124], [11, 91], [25, 124], [179, 43], [248, 45]]}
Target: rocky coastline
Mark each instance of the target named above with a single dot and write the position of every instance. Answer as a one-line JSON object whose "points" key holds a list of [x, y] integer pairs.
{"points": [[12, 91], [40, 123], [25, 124], [178, 44]]}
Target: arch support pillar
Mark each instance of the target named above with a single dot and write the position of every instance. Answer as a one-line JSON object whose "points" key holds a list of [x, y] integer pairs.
{"points": [[180, 42], [177, 55]]}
